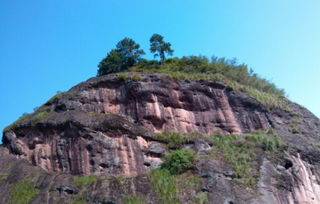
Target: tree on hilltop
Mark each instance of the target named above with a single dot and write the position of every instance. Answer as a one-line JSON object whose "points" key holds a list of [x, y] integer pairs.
{"points": [[160, 47], [130, 51], [125, 55], [113, 62]]}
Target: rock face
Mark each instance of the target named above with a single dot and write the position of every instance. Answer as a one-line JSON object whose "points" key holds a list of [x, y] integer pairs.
{"points": [[299, 184], [81, 143], [160, 103], [106, 126], [157, 103]]}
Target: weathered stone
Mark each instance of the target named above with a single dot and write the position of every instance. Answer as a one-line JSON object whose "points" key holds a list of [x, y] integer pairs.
{"points": [[201, 146], [155, 148], [106, 126]]}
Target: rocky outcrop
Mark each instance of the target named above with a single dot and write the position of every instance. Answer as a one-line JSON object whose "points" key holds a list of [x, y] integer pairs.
{"points": [[294, 182], [161, 103], [85, 144], [100, 126], [106, 126]]}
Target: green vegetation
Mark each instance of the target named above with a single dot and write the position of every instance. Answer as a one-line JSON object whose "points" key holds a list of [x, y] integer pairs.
{"points": [[127, 57], [133, 199], [199, 67], [15, 123], [178, 161], [160, 47], [241, 151], [3, 177], [37, 117], [23, 192], [165, 186], [295, 127], [33, 118], [59, 95], [269, 100], [136, 77], [126, 54], [125, 76], [97, 115], [83, 181], [79, 199], [188, 182], [235, 76], [113, 62], [170, 187], [201, 198]]}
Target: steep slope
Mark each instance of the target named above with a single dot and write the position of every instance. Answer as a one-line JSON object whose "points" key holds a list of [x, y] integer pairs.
{"points": [[108, 126]]}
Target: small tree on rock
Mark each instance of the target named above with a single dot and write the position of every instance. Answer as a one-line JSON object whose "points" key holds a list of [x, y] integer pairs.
{"points": [[160, 47]]}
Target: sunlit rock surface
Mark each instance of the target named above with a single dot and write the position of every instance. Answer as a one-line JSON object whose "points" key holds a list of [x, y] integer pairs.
{"points": [[106, 126]]}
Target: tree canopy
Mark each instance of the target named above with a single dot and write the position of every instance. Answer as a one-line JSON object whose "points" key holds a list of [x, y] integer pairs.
{"points": [[113, 62], [125, 55], [160, 47], [130, 51]]}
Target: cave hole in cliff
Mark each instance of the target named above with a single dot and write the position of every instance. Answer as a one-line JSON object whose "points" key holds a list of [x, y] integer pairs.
{"points": [[60, 108], [103, 165], [147, 164], [92, 162], [288, 164]]}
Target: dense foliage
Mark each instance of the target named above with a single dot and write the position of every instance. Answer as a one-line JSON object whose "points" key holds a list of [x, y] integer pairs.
{"points": [[113, 62], [178, 161], [126, 54]]}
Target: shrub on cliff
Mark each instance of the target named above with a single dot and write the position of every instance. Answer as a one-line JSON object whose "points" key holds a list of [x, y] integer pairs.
{"points": [[178, 161]]}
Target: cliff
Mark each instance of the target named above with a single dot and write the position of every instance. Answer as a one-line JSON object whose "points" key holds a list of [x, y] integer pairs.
{"points": [[108, 129]]}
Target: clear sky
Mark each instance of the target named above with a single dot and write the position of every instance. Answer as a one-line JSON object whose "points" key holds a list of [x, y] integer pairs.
{"points": [[50, 45]]}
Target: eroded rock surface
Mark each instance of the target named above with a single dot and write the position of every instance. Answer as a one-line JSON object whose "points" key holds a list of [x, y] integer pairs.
{"points": [[106, 126], [164, 104]]}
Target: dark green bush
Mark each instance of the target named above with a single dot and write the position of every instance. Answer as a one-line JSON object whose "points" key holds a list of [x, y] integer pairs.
{"points": [[178, 161], [113, 62]]}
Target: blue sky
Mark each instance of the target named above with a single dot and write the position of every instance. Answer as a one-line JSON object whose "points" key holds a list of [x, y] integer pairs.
{"points": [[48, 46]]}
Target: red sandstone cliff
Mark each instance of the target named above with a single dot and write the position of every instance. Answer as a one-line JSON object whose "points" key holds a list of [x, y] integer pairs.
{"points": [[106, 126]]}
